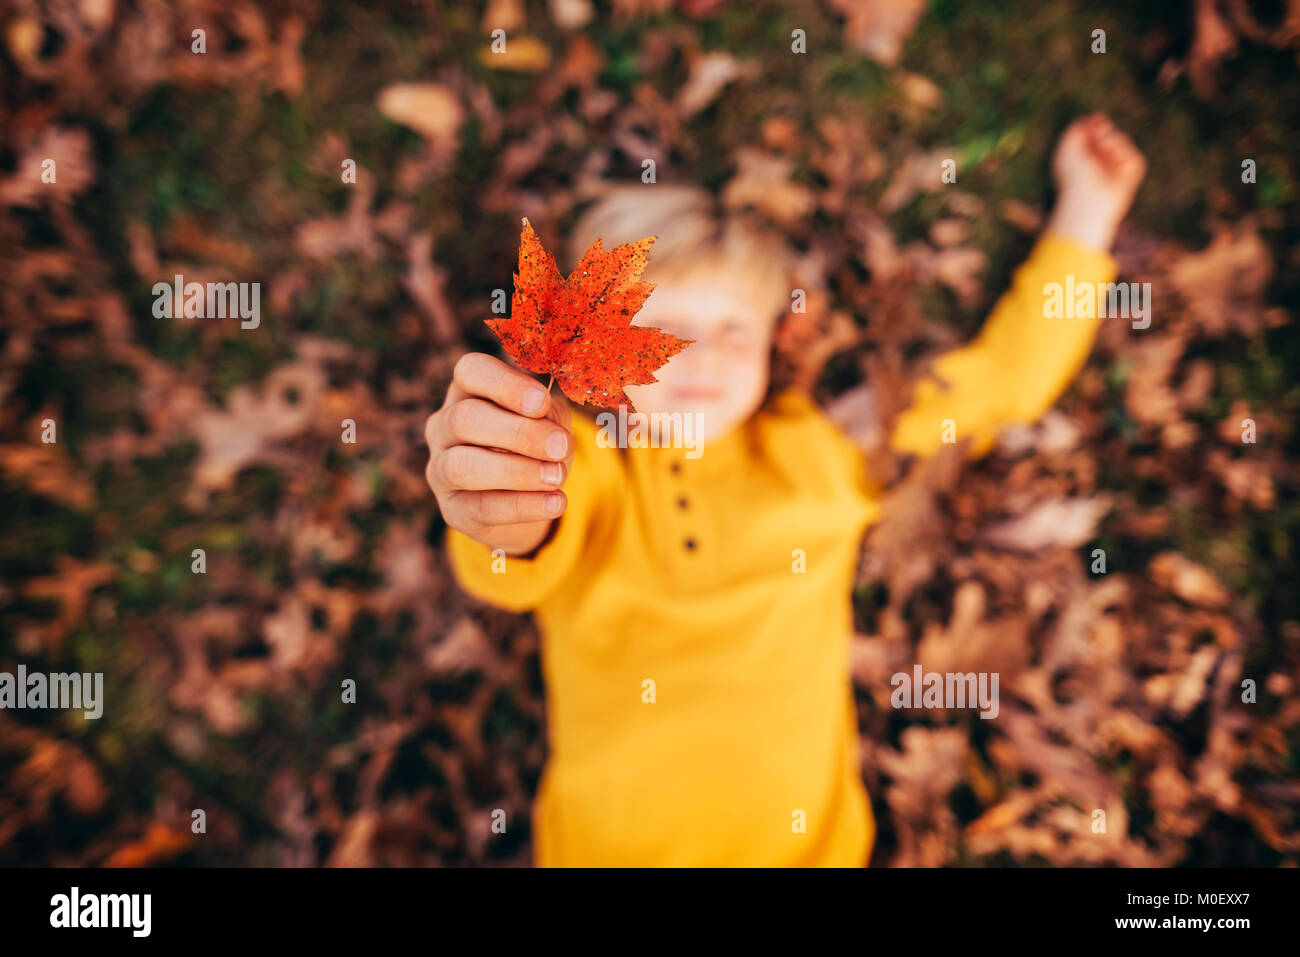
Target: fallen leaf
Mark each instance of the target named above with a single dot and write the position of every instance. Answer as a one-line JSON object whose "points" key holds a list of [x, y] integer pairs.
{"points": [[763, 181], [1063, 523], [710, 73], [571, 14], [69, 149], [1223, 283], [879, 27], [428, 108], [160, 842], [521, 55], [1189, 581]]}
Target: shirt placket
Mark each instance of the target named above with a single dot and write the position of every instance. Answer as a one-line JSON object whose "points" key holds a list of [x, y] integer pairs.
{"points": [[686, 517]]}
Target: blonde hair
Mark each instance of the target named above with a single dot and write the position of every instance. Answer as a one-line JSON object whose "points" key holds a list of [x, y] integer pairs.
{"points": [[695, 233]]}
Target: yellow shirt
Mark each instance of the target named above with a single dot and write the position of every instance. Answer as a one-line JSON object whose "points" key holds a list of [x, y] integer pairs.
{"points": [[695, 613]]}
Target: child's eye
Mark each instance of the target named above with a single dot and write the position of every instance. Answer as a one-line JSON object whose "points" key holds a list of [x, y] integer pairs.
{"points": [[735, 332]]}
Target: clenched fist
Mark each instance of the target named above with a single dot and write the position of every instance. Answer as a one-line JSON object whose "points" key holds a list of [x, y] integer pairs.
{"points": [[499, 450], [1098, 170]]}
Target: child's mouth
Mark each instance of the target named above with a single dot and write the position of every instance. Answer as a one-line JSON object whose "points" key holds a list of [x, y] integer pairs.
{"points": [[697, 394]]}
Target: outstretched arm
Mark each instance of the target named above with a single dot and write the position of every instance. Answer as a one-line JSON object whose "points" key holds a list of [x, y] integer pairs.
{"points": [[500, 448], [1023, 360]]}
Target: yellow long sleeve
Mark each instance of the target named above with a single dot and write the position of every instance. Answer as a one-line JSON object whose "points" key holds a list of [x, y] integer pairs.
{"points": [[521, 584], [1019, 364]]}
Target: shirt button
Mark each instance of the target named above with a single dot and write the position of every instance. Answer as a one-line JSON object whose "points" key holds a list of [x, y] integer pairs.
{"points": [[682, 503], [690, 544], [676, 468]]}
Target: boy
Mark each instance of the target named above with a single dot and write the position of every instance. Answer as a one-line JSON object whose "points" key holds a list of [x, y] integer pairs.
{"points": [[699, 702]]}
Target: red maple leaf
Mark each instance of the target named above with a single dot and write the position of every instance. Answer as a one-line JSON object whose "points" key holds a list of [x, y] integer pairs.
{"points": [[579, 329]]}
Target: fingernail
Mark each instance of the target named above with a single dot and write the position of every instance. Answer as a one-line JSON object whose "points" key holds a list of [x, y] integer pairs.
{"points": [[557, 445], [551, 473], [534, 399], [552, 503]]}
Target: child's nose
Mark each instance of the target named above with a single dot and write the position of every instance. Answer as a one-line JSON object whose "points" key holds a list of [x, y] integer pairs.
{"points": [[702, 365], [702, 357]]}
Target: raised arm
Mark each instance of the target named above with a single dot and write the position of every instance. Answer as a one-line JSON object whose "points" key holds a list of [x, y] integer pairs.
{"points": [[1028, 352]]}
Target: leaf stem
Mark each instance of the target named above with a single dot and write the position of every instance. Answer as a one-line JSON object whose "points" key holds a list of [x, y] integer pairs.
{"points": [[549, 384]]}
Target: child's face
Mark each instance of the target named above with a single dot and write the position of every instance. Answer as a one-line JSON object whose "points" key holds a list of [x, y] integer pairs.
{"points": [[724, 375]]}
